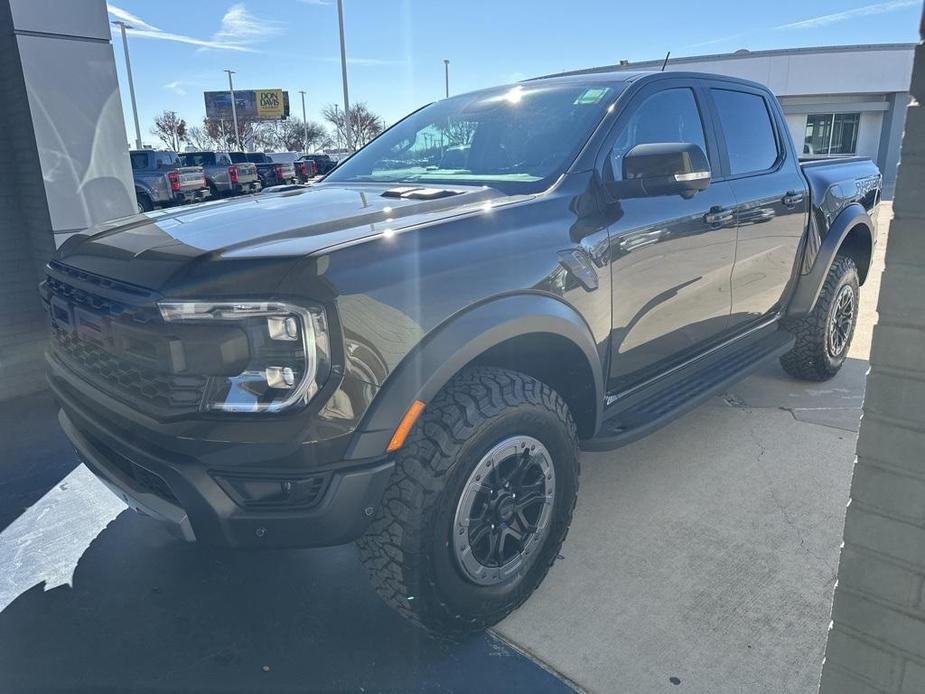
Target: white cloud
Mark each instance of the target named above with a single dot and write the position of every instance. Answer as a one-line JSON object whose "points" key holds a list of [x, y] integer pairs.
{"points": [[866, 11], [240, 27], [230, 37], [176, 87], [129, 18]]}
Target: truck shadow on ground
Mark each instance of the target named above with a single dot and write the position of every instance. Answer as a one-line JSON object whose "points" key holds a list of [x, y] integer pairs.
{"points": [[148, 613]]}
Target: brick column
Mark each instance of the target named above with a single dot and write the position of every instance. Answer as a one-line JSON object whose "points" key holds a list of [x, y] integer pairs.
{"points": [[877, 637]]}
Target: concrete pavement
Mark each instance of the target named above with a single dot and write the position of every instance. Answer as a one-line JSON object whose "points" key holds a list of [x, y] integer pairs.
{"points": [[703, 558]]}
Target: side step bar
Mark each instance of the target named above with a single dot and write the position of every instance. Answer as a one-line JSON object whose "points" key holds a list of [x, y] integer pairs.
{"points": [[650, 407]]}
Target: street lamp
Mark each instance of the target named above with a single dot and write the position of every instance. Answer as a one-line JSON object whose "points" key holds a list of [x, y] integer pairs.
{"points": [[304, 124], [446, 75], [343, 69], [234, 110], [131, 83]]}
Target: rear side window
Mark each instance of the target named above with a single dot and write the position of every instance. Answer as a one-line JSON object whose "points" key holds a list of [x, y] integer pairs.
{"points": [[166, 160], [198, 158], [749, 131], [139, 160]]}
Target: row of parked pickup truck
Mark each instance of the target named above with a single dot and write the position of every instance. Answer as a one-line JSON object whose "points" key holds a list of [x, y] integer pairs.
{"points": [[164, 178]]}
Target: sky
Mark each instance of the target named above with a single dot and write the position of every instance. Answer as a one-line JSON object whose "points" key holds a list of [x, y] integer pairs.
{"points": [[396, 48]]}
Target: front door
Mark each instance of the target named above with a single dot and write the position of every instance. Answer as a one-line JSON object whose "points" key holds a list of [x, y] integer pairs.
{"points": [[671, 257]]}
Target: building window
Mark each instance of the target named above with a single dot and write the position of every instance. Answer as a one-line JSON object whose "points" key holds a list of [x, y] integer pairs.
{"points": [[831, 134]]}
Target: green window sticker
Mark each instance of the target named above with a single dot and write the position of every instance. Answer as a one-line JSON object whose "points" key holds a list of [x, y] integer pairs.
{"points": [[592, 96]]}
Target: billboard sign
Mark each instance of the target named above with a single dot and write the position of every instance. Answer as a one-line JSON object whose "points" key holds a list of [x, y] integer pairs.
{"points": [[259, 104]]}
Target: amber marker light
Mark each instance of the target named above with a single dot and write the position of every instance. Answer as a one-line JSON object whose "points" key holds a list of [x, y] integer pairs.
{"points": [[404, 427]]}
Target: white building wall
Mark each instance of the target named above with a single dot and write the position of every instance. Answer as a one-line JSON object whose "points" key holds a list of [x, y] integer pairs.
{"points": [[853, 70], [869, 132], [796, 123]]}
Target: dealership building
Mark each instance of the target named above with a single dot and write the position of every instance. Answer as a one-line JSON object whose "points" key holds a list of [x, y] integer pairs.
{"points": [[838, 100]]}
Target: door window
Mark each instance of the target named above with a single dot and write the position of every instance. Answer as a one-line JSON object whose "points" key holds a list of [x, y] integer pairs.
{"points": [[667, 116], [750, 140]]}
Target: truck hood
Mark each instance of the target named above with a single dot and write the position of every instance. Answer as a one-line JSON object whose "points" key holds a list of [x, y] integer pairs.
{"points": [[150, 249]]}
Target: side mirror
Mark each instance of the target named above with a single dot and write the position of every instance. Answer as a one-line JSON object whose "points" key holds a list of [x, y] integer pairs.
{"points": [[664, 168]]}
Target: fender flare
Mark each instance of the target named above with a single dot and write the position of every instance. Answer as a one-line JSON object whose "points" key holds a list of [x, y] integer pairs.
{"points": [[809, 284], [448, 348]]}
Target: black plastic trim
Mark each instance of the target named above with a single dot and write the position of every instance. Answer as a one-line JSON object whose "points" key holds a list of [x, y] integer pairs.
{"points": [[459, 341], [809, 285]]}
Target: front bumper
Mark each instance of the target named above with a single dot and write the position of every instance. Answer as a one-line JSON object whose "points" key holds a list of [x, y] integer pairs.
{"points": [[190, 497]]}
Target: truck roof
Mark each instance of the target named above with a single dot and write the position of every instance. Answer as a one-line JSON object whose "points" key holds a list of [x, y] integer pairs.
{"points": [[609, 76]]}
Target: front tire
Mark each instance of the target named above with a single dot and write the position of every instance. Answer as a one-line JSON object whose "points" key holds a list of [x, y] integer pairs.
{"points": [[452, 547], [823, 337]]}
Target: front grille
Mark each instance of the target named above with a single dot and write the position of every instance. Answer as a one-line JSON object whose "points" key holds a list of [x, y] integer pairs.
{"points": [[128, 380], [84, 325]]}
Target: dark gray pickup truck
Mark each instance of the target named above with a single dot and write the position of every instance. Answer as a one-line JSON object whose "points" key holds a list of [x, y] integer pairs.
{"points": [[412, 352]]}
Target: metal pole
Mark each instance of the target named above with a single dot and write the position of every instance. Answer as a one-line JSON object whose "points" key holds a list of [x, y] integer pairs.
{"points": [[234, 111], [304, 124], [446, 75], [343, 70], [131, 82]]}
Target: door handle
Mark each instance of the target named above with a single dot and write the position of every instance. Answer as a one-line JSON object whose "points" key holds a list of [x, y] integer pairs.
{"points": [[718, 215], [792, 198]]}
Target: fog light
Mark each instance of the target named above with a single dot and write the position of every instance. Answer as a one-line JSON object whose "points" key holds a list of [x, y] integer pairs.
{"points": [[272, 491]]}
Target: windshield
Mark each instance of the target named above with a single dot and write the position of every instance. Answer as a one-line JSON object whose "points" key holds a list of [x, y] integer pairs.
{"points": [[516, 139]]}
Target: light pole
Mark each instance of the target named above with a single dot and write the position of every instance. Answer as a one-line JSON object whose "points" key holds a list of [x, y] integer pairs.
{"points": [[234, 110], [304, 124], [446, 75], [343, 70], [131, 83]]}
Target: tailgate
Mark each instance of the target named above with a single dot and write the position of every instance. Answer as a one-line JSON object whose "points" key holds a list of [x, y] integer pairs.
{"points": [[191, 178], [247, 173]]}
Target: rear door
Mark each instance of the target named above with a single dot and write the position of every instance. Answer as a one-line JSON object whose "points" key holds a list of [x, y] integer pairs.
{"points": [[671, 256], [771, 196]]}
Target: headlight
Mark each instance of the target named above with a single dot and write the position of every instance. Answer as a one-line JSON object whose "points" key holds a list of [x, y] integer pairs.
{"points": [[289, 353]]}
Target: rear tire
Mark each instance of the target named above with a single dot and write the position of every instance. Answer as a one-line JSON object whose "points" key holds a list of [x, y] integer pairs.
{"points": [[144, 203], [486, 421], [823, 337]]}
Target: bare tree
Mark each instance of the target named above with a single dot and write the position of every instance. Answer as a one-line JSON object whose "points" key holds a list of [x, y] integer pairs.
{"points": [[170, 129], [365, 124], [200, 137], [290, 135]]}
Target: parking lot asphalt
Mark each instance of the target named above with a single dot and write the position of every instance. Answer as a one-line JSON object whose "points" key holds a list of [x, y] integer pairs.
{"points": [[96, 598], [701, 559]]}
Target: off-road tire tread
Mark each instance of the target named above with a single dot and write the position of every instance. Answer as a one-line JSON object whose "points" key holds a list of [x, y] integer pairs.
{"points": [[397, 569], [806, 361]]}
